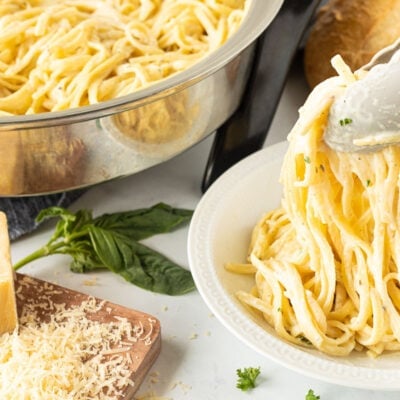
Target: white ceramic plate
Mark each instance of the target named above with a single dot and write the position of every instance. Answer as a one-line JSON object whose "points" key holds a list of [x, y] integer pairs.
{"points": [[220, 232]]}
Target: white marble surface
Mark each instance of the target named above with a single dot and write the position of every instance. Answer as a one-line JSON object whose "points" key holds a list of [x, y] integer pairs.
{"points": [[199, 357]]}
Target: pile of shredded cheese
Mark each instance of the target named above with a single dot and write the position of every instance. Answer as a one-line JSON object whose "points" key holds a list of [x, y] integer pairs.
{"points": [[67, 356]]}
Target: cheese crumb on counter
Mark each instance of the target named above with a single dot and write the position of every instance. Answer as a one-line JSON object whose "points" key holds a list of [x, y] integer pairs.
{"points": [[184, 387], [90, 282]]}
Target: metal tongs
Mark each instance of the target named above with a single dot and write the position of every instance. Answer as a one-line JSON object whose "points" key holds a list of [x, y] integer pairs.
{"points": [[366, 116], [246, 131]]}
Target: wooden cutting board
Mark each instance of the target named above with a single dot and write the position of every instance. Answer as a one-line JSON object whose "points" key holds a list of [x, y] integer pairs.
{"points": [[142, 353]]}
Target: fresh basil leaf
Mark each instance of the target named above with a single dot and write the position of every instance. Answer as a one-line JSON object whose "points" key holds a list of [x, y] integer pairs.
{"points": [[143, 223], [110, 241], [82, 219], [68, 223], [65, 219], [84, 262], [153, 271], [139, 264], [53, 212], [112, 250]]}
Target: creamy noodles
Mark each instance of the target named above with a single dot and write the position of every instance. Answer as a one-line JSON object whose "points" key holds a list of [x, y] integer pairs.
{"points": [[326, 263], [61, 54]]}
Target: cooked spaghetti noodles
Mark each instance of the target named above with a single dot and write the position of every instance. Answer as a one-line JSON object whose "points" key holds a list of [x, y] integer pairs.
{"points": [[327, 262], [61, 54]]}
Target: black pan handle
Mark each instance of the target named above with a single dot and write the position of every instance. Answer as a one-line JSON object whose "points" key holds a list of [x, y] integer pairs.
{"points": [[246, 131]]}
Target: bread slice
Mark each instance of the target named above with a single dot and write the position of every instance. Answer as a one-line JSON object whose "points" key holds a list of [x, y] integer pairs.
{"points": [[8, 303]]}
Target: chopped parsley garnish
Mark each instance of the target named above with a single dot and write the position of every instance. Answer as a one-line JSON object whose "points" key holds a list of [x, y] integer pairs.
{"points": [[247, 378], [345, 121], [305, 340], [368, 182], [311, 395], [307, 159]]}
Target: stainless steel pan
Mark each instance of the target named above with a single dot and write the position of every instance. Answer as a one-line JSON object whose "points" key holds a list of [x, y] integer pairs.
{"points": [[60, 151]]}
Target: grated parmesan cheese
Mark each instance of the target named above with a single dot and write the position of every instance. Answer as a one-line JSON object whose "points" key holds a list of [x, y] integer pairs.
{"points": [[67, 355]]}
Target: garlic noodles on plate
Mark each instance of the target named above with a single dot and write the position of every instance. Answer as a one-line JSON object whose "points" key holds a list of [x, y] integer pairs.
{"points": [[62, 54], [326, 263]]}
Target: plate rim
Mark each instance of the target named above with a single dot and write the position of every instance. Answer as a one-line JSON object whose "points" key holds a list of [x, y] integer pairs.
{"points": [[229, 314]]}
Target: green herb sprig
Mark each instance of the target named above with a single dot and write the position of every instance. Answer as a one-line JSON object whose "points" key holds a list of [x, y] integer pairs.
{"points": [[311, 395], [111, 241], [247, 378]]}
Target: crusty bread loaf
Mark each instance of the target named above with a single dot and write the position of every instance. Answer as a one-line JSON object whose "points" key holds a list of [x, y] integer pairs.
{"points": [[355, 29]]}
